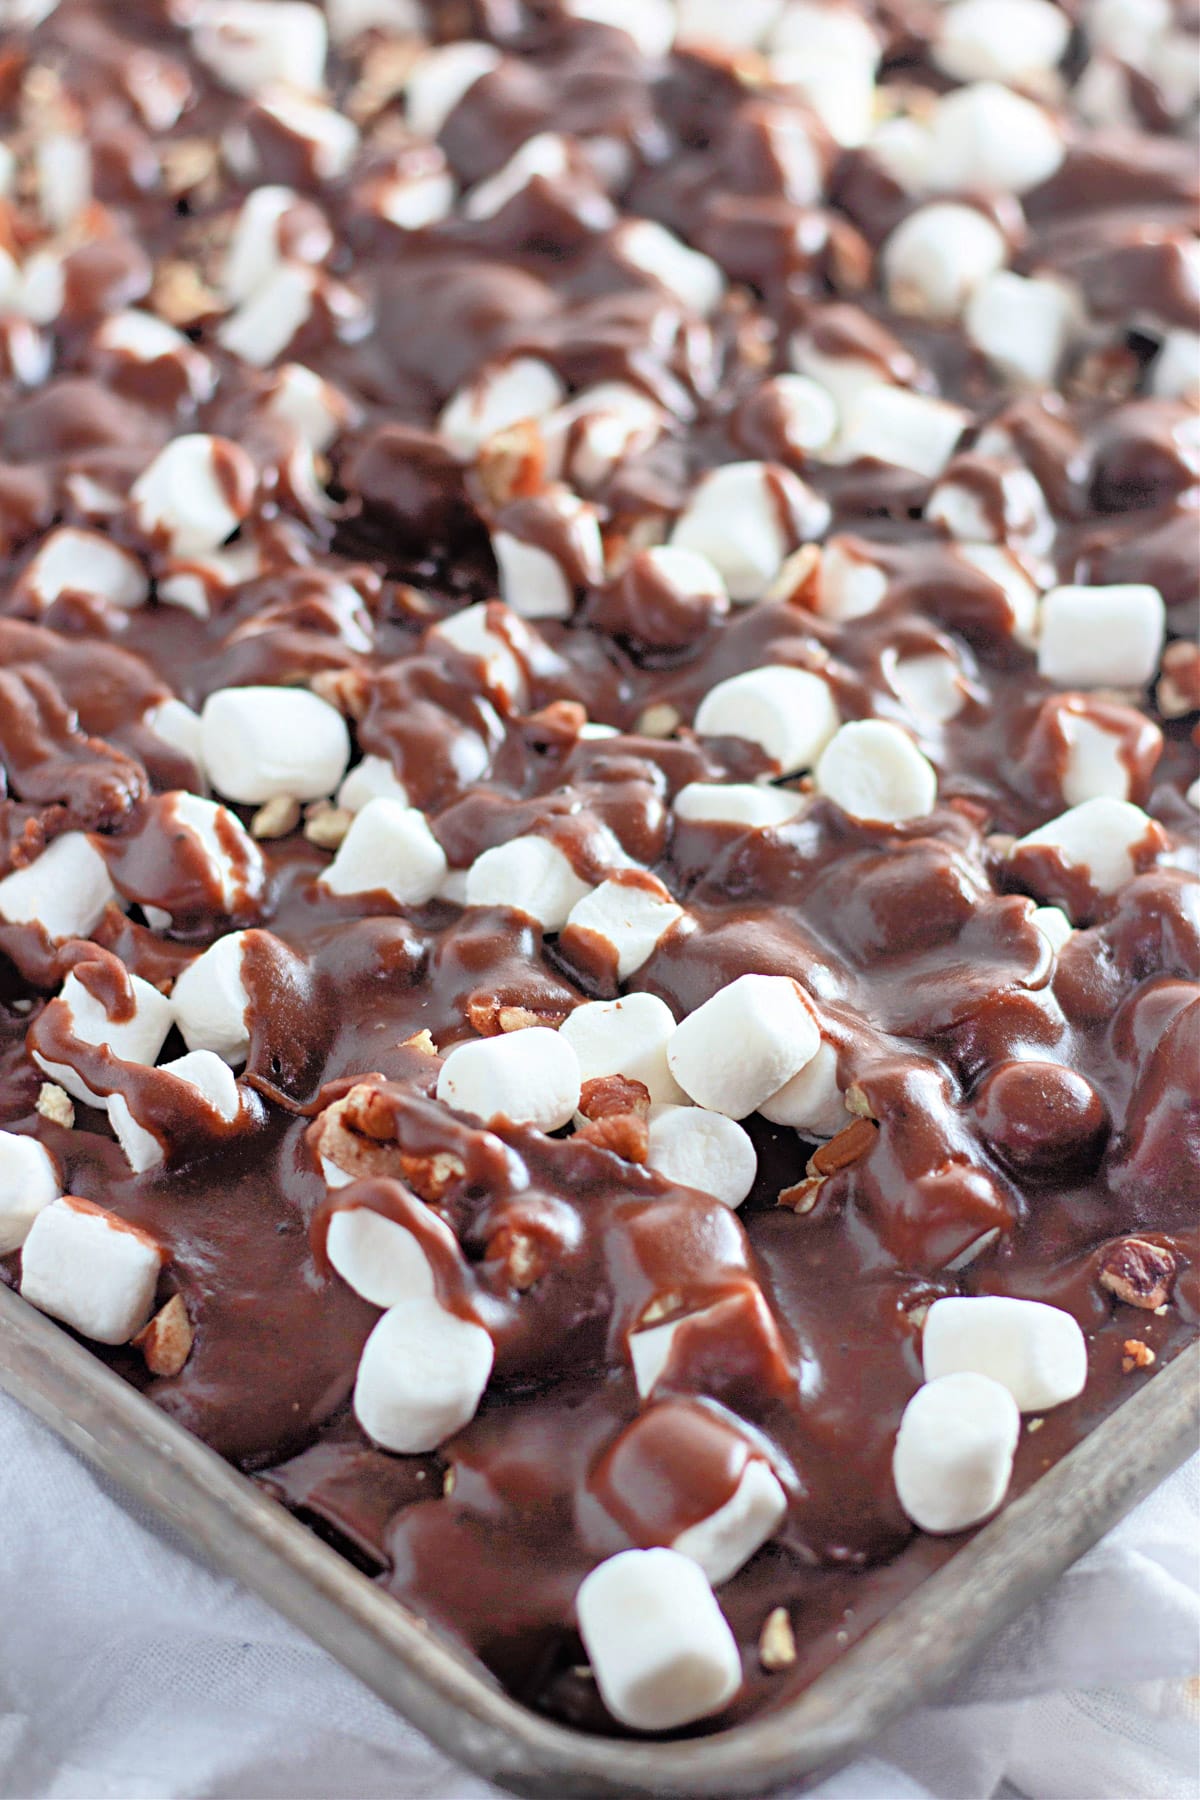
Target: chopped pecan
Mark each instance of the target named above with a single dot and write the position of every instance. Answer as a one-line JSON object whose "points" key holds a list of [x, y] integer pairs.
{"points": [[279, 815], [803, 1195], [355, 1135], [777, 1641], [659, 720], [849, 1146], [512, 463], [1179, 683], [422, 1041], [523, 1257], [856, 1102], [166, 1342], [624, 1133], [347, 689], [1138, 1272], [1137, 1355], [607, 1094], [489, 1015], [54, 1103], [325, 825]]}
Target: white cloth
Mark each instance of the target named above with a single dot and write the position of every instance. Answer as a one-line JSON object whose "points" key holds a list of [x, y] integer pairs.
{"points": [[128, 1669]]}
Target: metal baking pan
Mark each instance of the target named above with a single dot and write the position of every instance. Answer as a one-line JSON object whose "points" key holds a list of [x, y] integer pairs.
{"points": [[914, 1651]]}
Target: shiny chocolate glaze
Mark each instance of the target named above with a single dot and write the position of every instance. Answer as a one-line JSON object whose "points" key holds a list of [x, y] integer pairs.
{"points": [[1030, 1108]]}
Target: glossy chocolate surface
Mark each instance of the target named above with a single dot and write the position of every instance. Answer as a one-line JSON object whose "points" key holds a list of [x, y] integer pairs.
{"points": [[1052, 1101]]}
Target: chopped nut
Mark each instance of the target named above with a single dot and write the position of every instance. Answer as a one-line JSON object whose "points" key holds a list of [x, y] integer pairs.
{"points": [[325, 825], [191, 166], [796, 582], [1108, 374], [659, 721], [448, 1480], [851, 260], [55, 1104], [276, 818], [803, 1195], [605, 1095], [624, 1134], [855, 1101], [489, 1015], [1137, 1355], [661, 1307], [180, 296], [522, 1257], [422, 1041], [347, 689], [166, 1342], [849, 1146], [1179, 683], [384, 72], [517, 1018], [1138, 1272], [512, 463], [1034, 1424], [777, 1641], [355, 1134]]}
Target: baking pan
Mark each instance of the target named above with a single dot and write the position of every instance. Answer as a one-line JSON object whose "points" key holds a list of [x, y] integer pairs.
{"points": [[906, 1658]]}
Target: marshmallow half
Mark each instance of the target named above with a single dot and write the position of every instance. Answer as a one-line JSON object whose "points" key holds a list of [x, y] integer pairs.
{"points": [[65, 891], [29, 1181], [90, 1269]]}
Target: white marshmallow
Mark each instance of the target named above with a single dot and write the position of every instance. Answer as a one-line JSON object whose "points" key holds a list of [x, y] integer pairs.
{"points": [[692, 277], [470, 632], [194, 582], [735, 519], [255, 250], [144, 339], [875, 773], [201, 1070], [737, 803], [136, 1040], [331, 137], [632, 916], [530, 1077], [1000, 40], [930, 686], [894, 425], [1053, 924], [1098, 837], [725, 1541], [29, 1181], [210, 1001], [954, 1452], [850, 586], [389, 848], [65, 890], [989, 139], [844, 377], [598, 428], [811, 1102], [263, 741], [348, 19], [421, 1376], [903, 148], [740, 1047], [1095, 766], [440, 79], [1126, 26], [545, 157], [957, 507], [1175, 371], [625, 1037], [704, 1150], [789, 713], [1022, 324], [936, 258], [530, 874], [234, 860], [1101, 636], [830, 54], [43, 286], [741, 27], [414, 201], [1001, 566], [264, 325], [808, 410], [91, 1270], [1035, 1351], [532, 581], [650, 23], [71, 561], [659, 1645], [312, 406], [372, 779], [378, 1258], [63, 164], [500, 396], [250, 45], [181, 494]]}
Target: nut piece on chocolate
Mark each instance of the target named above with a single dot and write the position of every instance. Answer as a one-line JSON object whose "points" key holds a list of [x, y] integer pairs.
{"points": [[1138, 1272]]}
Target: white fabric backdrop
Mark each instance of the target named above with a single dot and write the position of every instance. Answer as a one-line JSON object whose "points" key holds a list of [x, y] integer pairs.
{"points": [[129, 1669]]}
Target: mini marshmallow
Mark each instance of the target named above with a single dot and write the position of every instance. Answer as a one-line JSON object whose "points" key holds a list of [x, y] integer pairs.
{"points": [[264, 325], [136, 1040], [29, 1181], [530, 874], [808, 412], [348, 19], [650, 23], [470, 632], [64, 178], [954, 1452], [196, 492], [1101, 636], [1022, 324], [849, 585], [421, 1376], [659, 1646], [598, 428], [740, 1047], [725, 1541], [1098, 837], [234, 860], [65, 890], [704, 1150], [71, 561], [372, 779], [378, 1258], [530, 1077], [256, 247], [631, 916], [201, 1070], [742, 27], [1001, 566], [91, 1270], [250, 45], [936, 258], [210, 1001], [988, 139], [144, 338], [1035, 1351], [1053, 924], [625, 1037], [930, 686], [903, 148], [263, 741], [789, 713], [1175, 371], [500, 396], [1095, 766], [692, 277], [875, 773], [830, 54], [735, 518], [546, 157], [532, 581], [413, 200], [812, 1103], [312, 406], [737, 803], [1000, 40], [331, 137], [440, 79], [894, 425], [958, 508], [388, 849]]}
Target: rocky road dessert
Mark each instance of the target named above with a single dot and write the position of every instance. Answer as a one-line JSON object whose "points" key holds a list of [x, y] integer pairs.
{"points": [[598, 922]]}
